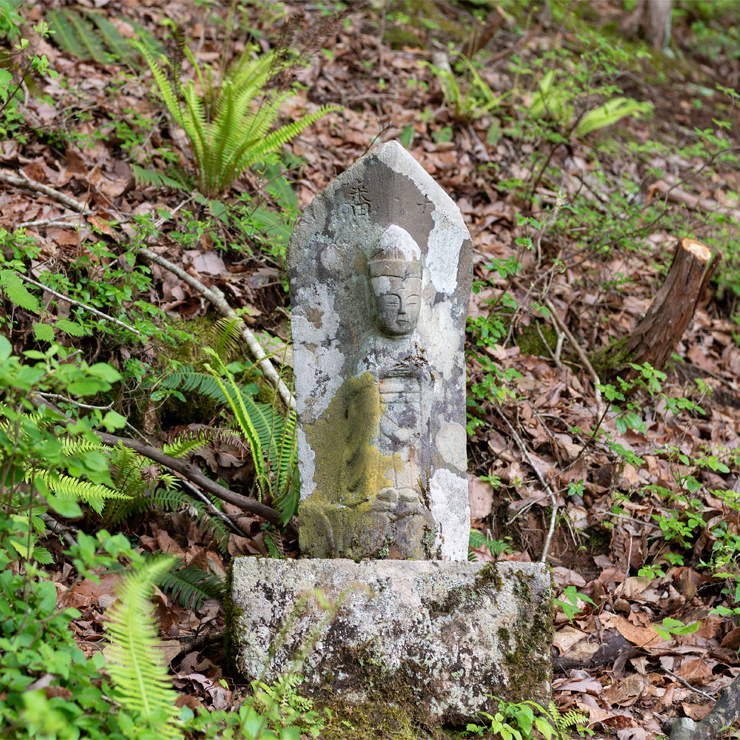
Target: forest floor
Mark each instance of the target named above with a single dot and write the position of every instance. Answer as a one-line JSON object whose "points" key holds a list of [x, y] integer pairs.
{"points": [[648, 517]]}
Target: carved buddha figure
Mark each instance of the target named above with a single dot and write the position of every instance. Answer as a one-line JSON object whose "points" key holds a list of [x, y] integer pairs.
{"points": [[395, 277]]}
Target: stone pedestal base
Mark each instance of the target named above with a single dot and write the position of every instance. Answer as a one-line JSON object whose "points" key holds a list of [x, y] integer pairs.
{"points": [[434, 638]]}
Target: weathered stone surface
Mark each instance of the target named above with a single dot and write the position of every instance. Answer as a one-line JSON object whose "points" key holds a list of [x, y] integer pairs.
{"points": [[436, 638], [380, 274]]}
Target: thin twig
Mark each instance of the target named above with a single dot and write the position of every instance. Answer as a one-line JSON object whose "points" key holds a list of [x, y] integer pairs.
{"points": [[80, 304], [600, 408], [26, 182], [545, 484], [689, 686], [58, 397], [56, 221], [217, 298], [195, 492]]}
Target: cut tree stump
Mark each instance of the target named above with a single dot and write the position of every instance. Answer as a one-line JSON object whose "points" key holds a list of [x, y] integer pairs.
{"points": [[667, 318]]}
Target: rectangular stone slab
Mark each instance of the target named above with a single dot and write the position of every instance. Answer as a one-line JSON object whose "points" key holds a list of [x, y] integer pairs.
{"points": [[436, 638]]}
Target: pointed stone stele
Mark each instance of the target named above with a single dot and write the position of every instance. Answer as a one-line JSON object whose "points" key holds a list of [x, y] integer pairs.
{"points": [[380, 271]]}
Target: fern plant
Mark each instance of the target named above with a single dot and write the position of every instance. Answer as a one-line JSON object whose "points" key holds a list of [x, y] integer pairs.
{"points": [[495, 547], [146, 489], [88, 34], [190, 586], [228, 127], [470, 101], [273, 450], [557, 101], [139, 676]]}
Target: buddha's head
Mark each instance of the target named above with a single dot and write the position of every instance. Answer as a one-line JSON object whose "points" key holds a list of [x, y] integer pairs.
{"points": [[395, 277]]}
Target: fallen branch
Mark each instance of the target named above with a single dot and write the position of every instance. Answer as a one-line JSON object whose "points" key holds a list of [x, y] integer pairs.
{"points": [[184, 468], [26, 182], [694, 202], [214, 295], [193, 474], [58, 528], [545, 485]]}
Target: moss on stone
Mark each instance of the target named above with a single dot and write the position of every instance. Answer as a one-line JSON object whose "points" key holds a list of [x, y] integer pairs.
{"points": [[398, 38], [612, 360], [530, 342], [349, 473]]}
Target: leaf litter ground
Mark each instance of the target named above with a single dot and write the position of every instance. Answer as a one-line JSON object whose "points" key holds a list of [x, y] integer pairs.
{"points": [[610, 661]]}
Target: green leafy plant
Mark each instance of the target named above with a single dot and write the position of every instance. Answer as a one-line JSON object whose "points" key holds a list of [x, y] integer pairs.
{"points": [[675, 627], [139, 676], [227, 128], [570, 607], [470, 100], [520, 721], [557, 101], [276, 472]]}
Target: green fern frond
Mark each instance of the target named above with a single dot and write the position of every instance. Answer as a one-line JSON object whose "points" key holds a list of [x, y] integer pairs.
{"points": [[149, 179], [227, 331], [64, 34], [87, 37], [75, 446], [245, 422], [609, 113], [191, 586], [266, 420], [64, 485], [134, 665], [273, 141], [112, 37], [185, 444], [572, 718]]}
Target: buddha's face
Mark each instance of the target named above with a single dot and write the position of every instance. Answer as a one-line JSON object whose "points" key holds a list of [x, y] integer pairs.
{"points": [[397, 302]]}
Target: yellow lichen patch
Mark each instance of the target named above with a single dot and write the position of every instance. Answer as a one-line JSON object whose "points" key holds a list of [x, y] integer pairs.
{"points": [[340, 516]]}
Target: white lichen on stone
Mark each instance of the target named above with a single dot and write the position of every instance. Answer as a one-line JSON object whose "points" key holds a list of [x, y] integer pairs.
{"points": [[448, 494], [451, 442], [447, 637]]}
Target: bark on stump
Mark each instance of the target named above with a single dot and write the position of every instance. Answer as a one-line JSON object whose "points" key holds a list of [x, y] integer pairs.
{"points": [[654, 20], [667, 318]]}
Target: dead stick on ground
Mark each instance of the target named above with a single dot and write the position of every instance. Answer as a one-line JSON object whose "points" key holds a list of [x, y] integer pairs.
{"points": [[29, 184], [193, 474], [183, 467], [600, 408], [724, 713], [214, 295], [545, 485], [73, 302]]}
